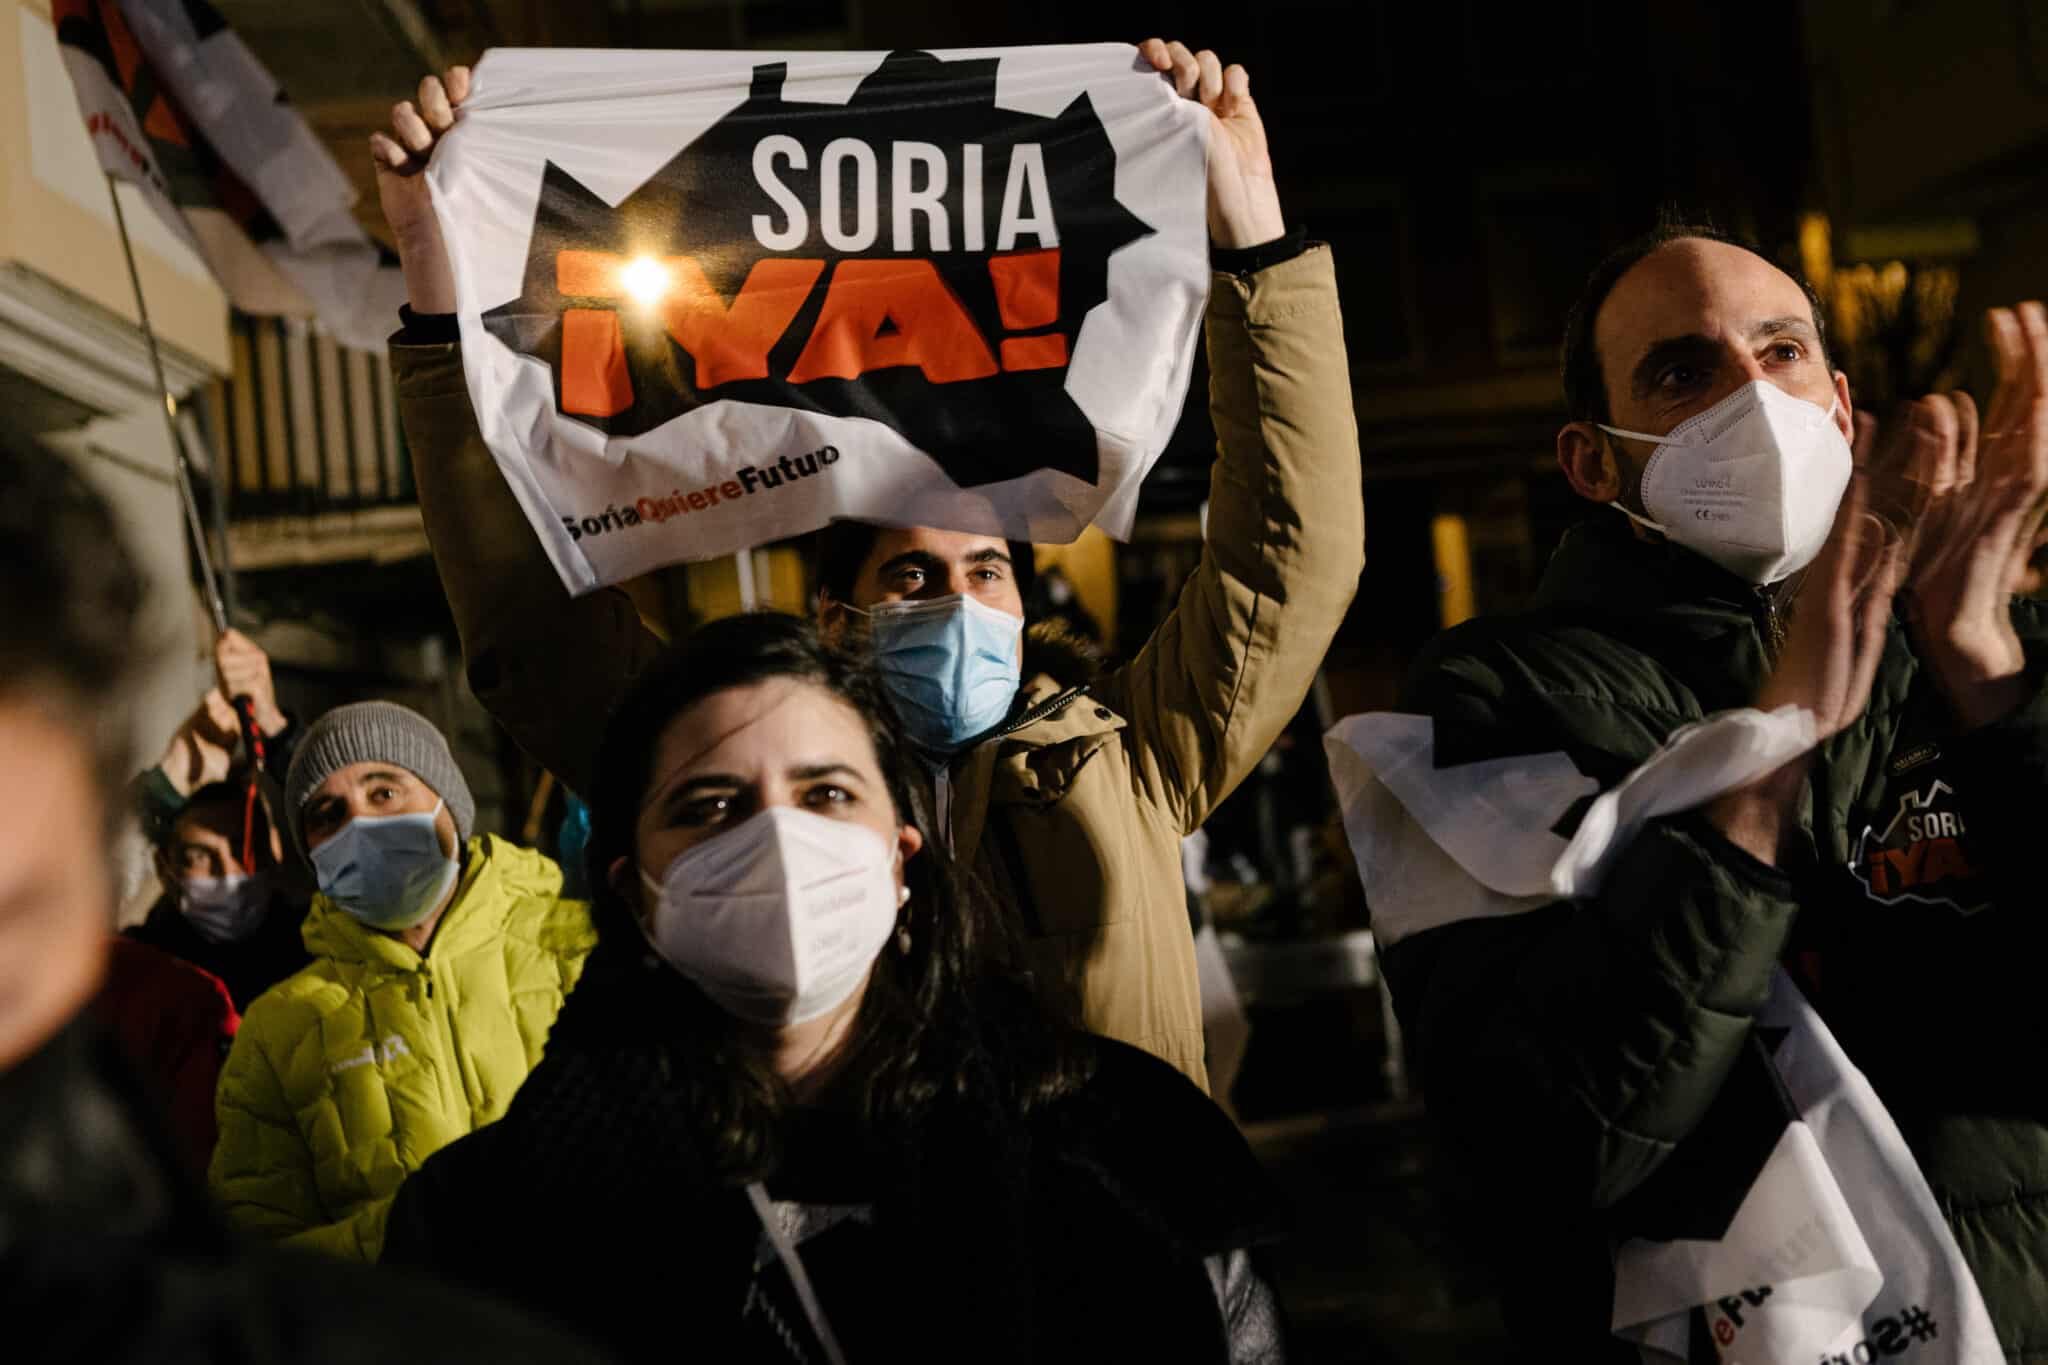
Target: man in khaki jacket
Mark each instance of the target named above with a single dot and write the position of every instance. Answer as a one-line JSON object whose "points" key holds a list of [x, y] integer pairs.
{"points": [[1074, 805]]}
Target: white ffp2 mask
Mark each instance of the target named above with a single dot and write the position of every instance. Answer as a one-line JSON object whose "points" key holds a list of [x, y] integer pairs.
{"points": [[225, 909], [1752, 483], [779, 918]]}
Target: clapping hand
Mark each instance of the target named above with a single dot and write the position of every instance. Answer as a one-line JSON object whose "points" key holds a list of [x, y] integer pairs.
{"points": [[1970, 492], [1833, 646]]}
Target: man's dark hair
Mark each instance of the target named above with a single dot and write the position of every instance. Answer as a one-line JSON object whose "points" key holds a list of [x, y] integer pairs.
{"points": [[70, 600], [231, 793], [1585, 387], [947, 1016], [843, 546]]}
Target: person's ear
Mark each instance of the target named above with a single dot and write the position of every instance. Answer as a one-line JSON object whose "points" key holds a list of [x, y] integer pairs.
{"points": [[1590, 464], [1845, 410], [444, 826], [908, 843], [623, 878], [832, 618]]}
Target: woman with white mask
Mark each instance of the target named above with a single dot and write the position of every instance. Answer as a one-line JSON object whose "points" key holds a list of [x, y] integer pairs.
{"points": [[439, 962], [803, 1107]]}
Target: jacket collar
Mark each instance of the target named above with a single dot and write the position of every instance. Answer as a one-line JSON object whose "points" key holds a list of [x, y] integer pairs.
{"points": [[1054, 651], [476, 914], [1059, 666], [1054, 715], [1603, 564]]}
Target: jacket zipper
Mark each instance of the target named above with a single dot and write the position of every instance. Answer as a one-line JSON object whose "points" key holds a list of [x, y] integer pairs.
{"points": [[448, 1063], [1049, 706], [1045, 708], [1770, 623], [464, 1106], [1006, 850]]}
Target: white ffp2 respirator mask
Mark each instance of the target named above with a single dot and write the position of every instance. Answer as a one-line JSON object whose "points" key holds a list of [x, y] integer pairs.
{"points": [[779, 918], [1752, 483], [225, 909]]}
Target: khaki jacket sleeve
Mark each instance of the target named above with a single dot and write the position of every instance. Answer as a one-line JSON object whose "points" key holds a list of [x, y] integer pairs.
{"points": [[1228, 668], [548, 667]]}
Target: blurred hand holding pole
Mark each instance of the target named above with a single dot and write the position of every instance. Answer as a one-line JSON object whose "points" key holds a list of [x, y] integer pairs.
{"points": [[244, 704]]}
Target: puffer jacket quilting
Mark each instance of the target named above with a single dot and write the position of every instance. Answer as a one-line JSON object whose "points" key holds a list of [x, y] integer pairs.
{"points": [[348, 1075]]}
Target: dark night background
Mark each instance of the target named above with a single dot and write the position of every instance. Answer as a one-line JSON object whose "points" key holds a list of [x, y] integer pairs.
{"points": [[1468, 162]]}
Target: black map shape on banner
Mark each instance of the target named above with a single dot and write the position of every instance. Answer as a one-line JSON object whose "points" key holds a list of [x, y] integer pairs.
{"points": [[1002, 410]]}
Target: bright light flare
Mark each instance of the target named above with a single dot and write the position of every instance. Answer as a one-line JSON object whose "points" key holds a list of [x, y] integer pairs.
{"points": [[645, 280]]}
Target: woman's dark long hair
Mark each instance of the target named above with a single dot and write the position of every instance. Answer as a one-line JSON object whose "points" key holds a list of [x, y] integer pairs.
{"points": [[950, 1020]]}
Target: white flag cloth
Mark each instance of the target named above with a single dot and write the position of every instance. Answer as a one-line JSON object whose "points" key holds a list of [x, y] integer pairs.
{"points": [[710, 300], [1838, 1251], [176, 103]]}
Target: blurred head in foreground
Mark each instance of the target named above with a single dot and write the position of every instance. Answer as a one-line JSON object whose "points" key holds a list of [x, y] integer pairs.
{"points": [[70, 598]]}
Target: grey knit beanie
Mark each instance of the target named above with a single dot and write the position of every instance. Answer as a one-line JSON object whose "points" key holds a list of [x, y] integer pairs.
{"points": [[376, 732]]}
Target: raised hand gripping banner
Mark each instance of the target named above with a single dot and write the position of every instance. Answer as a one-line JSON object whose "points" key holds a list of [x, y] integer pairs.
{"points": [[710, 300]]}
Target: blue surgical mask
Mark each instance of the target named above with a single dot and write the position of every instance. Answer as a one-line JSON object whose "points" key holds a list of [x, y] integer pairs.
{"points": [[951, 665], [387, 870]]}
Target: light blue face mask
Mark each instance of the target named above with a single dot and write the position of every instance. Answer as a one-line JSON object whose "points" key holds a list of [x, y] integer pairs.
{"points": [[387, 870], [951, 665]]}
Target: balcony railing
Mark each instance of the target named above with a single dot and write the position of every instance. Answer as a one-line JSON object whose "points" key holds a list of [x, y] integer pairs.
{"points": [[316, 466]]}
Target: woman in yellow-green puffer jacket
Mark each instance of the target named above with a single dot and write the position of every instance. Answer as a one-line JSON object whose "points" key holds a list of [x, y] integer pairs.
{"points": [[435, 980]]}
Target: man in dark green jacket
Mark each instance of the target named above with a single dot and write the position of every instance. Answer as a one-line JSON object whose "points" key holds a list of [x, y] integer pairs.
{"points": [[1582, 1057]]}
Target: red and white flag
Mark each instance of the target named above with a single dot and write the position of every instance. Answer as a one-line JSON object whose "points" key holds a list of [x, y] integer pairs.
{"points": [[177, 104], [710, 300]]}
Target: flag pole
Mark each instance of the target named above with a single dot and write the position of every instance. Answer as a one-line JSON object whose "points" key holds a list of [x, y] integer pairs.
{"points": [[169, 405], [245, 708]]}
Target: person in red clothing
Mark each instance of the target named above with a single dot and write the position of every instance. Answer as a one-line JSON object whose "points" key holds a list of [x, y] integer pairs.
{"points": [[109, 1251], [174, 1021]]}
